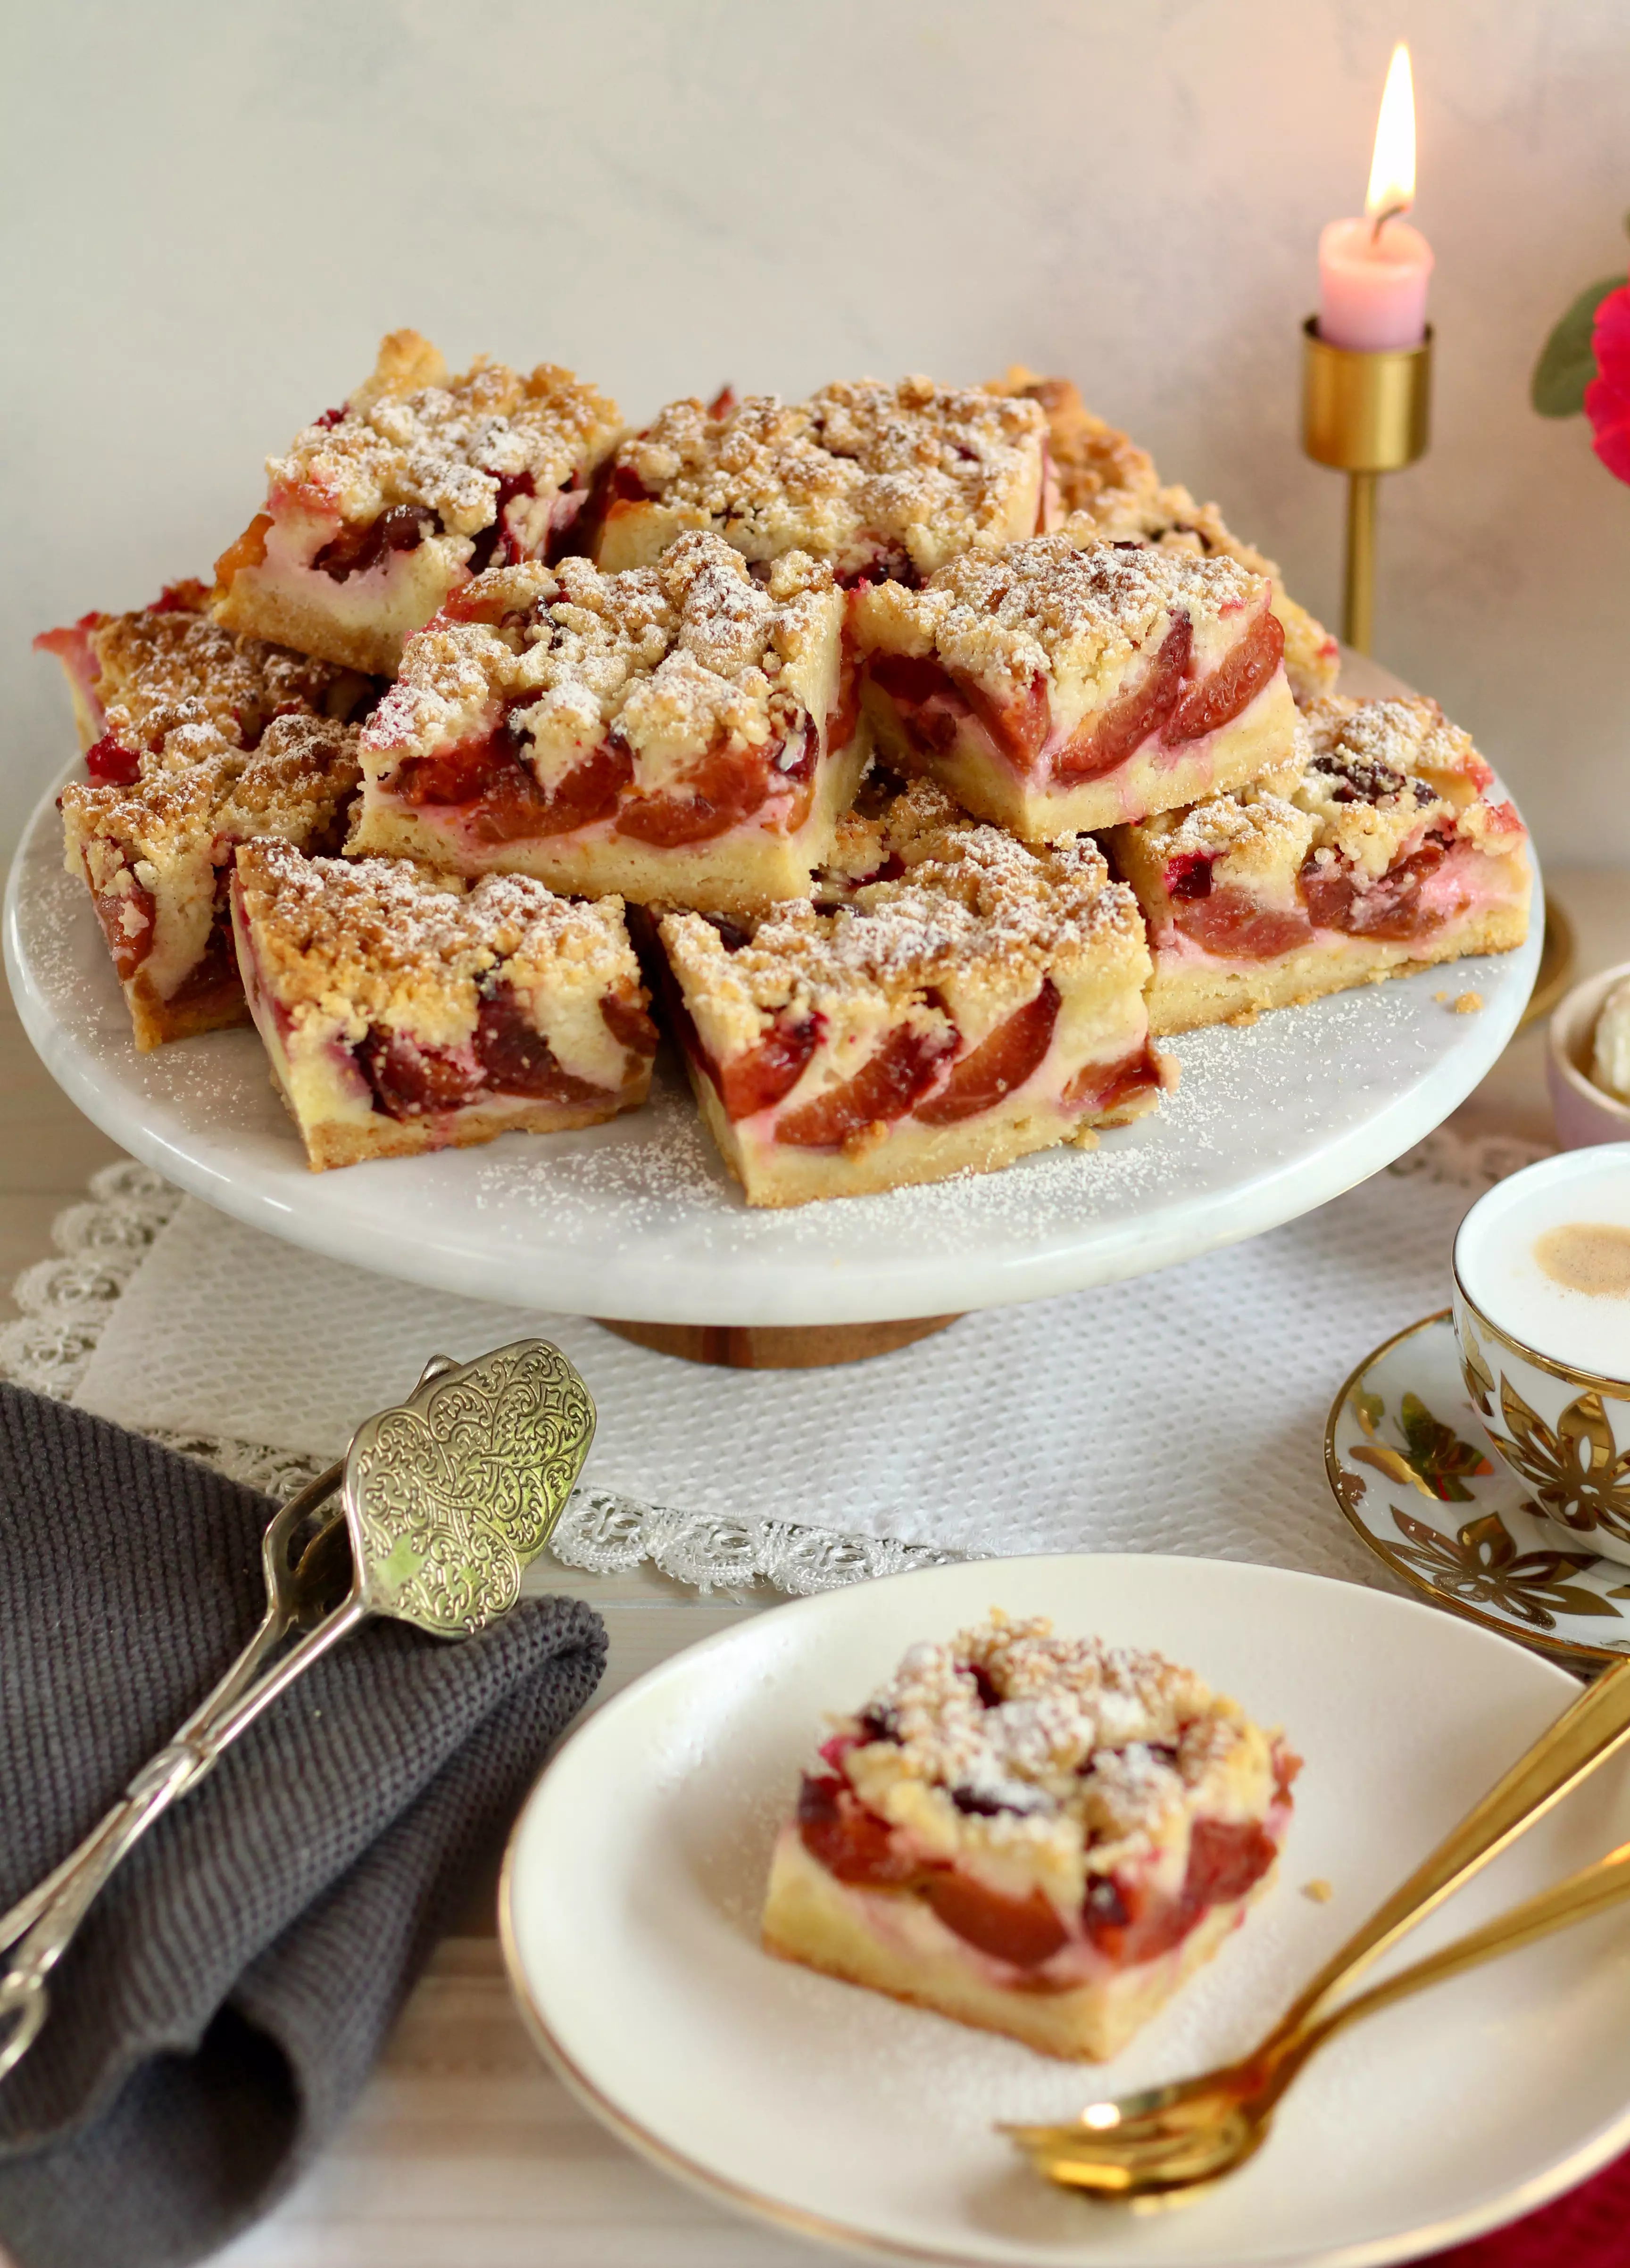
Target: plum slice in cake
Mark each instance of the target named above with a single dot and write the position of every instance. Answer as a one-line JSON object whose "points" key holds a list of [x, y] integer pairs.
{"points": [[167, 684], [383, 507], [985, 1002], [1037, 1835], [1053, 688], [1171, 521], [884, 482], [1379, 849], [679, 731], [156, 856], [404, 1011], [1109, 487]]}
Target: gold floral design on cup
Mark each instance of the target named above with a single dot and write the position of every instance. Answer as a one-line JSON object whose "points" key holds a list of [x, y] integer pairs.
{"points": [[1578, 1474], [1565, 1432]]}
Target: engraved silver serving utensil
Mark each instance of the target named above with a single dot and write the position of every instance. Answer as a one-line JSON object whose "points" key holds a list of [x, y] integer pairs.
{"points": [[444, 1503]]}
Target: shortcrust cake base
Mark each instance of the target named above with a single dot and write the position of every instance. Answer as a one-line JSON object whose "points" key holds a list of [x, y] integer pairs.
{"points": [[154, 1021], [1190, 988], [781, 1174], [351, 1142], [1150, 780], [736, 872], [812, 1919]]}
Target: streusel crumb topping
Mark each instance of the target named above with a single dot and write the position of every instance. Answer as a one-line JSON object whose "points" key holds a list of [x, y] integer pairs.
{"points": [[679, 656], [1167, 518], [383, 936], [297, 782], [176, 686], [1371, 780], [973, 901], [1091, 459], [1393, 740], [929, 468], [1249, 836], [1011, 1737], [1051, 607], [410, 434]]}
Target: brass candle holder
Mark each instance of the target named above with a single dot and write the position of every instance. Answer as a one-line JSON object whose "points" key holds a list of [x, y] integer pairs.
{"points": [[1365, 413]]}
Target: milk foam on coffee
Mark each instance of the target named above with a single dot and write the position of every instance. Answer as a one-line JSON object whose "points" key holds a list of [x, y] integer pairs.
{"points": [[1525, 1248]]}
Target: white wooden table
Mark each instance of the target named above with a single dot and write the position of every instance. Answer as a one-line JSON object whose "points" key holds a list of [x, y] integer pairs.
{"points": [[463, 2151]]}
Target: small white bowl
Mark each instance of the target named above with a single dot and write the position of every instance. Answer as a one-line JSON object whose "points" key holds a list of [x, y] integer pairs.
{"points": [[1583, 1114]]}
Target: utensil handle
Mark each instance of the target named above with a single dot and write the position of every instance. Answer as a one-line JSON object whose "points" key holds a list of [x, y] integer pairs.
{"points": [[274, 1625], [177, 1768], [1583, 1737], [1579, 1897]]}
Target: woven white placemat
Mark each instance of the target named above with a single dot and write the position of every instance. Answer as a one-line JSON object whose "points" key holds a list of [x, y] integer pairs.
{"points": [[1180, 1412]]}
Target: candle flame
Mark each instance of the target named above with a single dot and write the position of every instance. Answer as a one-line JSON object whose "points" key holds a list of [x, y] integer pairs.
{"points": [[1392, 168]]}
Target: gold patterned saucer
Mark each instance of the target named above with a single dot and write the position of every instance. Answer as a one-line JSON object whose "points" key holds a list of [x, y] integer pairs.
{"points": [[1406, 1458]]}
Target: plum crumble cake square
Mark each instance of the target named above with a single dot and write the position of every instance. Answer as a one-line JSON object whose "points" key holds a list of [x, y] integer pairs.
{"points": [[985, 1002], [404, 1011], [1053, 688], [681, 732], [1377, 850], [383, 507], [157, 855], [165, 684], [882, 480], [1037, 1835], [1105, 476]]}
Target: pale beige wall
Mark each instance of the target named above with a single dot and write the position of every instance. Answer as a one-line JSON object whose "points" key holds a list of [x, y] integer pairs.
{"points": [[218, 205]]}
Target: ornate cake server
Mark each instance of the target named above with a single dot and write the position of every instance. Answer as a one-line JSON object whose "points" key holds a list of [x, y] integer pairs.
{"points": [[444, 1503]]}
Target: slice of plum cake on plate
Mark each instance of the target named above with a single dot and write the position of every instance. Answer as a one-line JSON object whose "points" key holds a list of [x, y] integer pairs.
{"points": [[1037, 1835]]}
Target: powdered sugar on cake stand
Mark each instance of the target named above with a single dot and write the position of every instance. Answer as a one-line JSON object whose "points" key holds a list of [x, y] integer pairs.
{"points": [[638, 1219]]}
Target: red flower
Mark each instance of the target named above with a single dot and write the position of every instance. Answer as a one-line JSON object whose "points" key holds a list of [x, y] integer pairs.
{"points": [[1607, 397]]}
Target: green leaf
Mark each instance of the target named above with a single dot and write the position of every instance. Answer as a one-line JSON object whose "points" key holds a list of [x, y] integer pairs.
{"points": [[1568, 362], [1437, 1454]]}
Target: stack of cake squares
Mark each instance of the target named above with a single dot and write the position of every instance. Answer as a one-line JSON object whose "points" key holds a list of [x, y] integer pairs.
{"points": [[915, 754]]}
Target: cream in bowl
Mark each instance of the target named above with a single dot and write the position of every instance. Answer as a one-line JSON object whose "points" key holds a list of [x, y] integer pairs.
{"points": [[1587, 1060], [1542, 1317]]}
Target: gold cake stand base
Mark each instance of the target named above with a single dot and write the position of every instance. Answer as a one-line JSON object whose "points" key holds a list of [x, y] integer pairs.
{"points": [[777, 1346]]}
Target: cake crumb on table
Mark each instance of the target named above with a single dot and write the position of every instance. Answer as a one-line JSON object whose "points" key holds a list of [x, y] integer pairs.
{"points": [[1319, 1890]]}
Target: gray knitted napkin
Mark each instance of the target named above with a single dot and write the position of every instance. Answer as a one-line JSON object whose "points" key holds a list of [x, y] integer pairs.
{"points": [[228, 1994]]}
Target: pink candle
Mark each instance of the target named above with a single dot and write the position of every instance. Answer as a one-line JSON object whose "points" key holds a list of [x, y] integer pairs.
{"points": [[1373, 288], [1373, 273]]}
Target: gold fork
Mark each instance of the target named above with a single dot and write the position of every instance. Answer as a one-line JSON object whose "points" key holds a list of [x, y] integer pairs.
{"points": [[1211, 2131], [1169, 2137]]}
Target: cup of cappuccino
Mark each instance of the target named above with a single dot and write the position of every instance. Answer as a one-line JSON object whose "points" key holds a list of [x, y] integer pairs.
{"points": [[1542, 1319]]}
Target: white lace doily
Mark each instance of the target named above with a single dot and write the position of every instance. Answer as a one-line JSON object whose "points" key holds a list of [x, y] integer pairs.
{"points": [[1178, 1412]]}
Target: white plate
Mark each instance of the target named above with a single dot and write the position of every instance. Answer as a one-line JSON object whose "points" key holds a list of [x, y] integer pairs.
{"points": [[639, 1220], [635, 1873]]}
